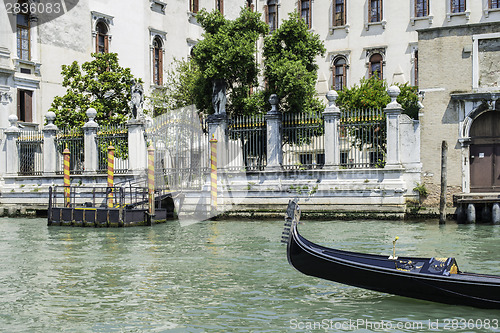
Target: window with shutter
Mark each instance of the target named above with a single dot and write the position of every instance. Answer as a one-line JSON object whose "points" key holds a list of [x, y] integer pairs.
{"points": [[375, 66], [102, 38], [421, 8], [25, 105], [339, 13]]}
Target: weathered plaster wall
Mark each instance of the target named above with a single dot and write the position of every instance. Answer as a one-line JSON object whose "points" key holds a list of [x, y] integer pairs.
{"points": [[445, 60]]}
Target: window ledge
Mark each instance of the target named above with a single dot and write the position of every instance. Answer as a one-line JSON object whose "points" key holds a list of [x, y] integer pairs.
{"points": [[429, 18], [466, 14], [487, 11], [192, 17], [340, 27], [369, 24], [28, 63], [158, 6]]}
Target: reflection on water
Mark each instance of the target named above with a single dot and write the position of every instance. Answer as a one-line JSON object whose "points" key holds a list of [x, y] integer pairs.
{"points": [[220, 276]]}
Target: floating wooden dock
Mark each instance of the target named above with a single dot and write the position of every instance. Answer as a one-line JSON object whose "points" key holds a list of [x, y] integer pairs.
{"points": [[109, 206], [477, 207]]}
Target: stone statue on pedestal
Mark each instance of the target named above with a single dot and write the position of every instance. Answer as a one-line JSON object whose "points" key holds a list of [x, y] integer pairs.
{"points": [[137, 100], [219, 97]]}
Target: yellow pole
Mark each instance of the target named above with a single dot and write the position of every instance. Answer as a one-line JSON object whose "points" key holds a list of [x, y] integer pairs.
{"points": [[151, 179], [67, 199], [213, 172], [111, 174]]}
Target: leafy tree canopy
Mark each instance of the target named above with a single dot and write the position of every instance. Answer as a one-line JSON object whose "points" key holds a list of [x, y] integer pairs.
{"points": [[100, 84], [179, 88], [372, 93], [290, 66], [227, 52]]}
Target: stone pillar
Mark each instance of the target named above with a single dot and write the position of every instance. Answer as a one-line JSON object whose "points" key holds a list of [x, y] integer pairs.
{"points": [[217, 129], [49, 145], [393, 112], [91, 152], [274, 149], [137, 149], [11, 151], [332, 120]]}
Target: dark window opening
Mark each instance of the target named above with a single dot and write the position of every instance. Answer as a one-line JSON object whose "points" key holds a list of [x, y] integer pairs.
{"points": [[340, 73], [421, 8], [25, 105], [375, 10], [339, 15], [457, 6], [157, 62], [102, 38], [376, 66]]}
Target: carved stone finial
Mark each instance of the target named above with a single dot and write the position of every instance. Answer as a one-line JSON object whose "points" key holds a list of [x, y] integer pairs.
{"points": [[393, 92], [91, 113], [273, 99], [13, 120], [50, 116], [331, 96]]}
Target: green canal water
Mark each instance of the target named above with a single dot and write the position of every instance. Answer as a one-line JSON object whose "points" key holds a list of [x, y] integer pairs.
{"points": [[222, 276]]}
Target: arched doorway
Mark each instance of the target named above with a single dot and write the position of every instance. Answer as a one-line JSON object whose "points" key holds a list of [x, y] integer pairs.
{"points": [[485, 153]]}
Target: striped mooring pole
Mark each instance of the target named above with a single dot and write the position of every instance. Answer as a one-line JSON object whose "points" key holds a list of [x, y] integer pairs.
{"points": [[67, 190], [213, 172], [111, 174], [151, 179]]}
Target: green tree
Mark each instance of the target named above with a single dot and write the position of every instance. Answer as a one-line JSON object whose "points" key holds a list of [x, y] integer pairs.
{"points": [[290, 67], [101, 84], [227, 52], [372, 94], [179, 88]]}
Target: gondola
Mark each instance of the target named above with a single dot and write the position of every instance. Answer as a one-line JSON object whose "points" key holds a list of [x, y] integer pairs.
{"points": [[431, 279]]}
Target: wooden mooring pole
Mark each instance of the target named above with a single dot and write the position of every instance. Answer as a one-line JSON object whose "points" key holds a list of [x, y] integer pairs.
{"points": [[213, 173], [67, 190], [151, 180], [111, 175], [444, 183]]}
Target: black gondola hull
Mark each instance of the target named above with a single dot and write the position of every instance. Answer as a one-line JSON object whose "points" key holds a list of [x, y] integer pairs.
{"points": [[379, 273]]}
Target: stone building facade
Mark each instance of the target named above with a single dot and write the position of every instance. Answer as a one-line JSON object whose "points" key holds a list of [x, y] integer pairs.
{"points": [[427, 43], [459, 74]]}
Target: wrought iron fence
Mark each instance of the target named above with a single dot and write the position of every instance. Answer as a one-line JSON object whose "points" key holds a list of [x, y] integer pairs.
{"points": [[303, 140], [362, 138], [246, 146], [30, 149], [181, 150], [116, 136], [71, 138]]}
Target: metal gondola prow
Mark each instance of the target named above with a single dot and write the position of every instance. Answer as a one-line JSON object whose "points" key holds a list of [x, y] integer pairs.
{"points": [[292, 217]]}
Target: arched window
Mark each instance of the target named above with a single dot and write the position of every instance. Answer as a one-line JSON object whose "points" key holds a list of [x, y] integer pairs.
{"points": [[23, 31], [375, 65], [157, 61], [340, 73], [271, 10], [102, 38]]}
